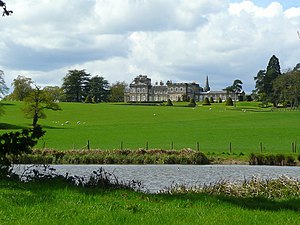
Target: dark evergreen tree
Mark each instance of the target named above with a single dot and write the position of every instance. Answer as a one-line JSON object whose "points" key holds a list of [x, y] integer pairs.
{"points": [[75, 85], [206, 101], [169, 103], [264, 81], [192, 103], [229, 101], [98, 87]]}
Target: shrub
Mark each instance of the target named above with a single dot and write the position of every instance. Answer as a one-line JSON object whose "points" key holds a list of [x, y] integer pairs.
{"points": [[169, 103], [249, 98], [88, 99], [211, 100], [279, 160], [206, 101], [229, 101], [16, 144], [192, 103], [220, 100]]}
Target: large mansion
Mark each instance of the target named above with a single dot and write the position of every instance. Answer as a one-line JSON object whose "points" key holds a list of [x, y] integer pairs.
{"points": [[142, 90]]}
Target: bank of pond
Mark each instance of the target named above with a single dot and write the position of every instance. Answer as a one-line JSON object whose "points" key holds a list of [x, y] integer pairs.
{"points": [[154, 156], [39, 195]]}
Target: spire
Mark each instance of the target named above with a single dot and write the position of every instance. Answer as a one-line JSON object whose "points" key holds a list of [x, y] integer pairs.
{"points": [[206, 88]]}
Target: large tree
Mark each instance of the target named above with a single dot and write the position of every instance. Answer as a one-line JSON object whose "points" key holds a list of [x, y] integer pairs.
{"points": [[287, 88], [117, 91], [236, 88], [265, 78], [75, 85], [98, 89], [36, 103], [54, 93], [22, 88]]}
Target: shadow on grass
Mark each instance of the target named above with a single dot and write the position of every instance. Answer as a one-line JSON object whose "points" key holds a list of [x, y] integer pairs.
{"points": [[7, 126], [263, 203], [52, 127], [258, 203], [6, 104]]}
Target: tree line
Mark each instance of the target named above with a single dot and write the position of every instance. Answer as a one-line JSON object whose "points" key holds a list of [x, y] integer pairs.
{"points": [[77, 86], [273, 86]]}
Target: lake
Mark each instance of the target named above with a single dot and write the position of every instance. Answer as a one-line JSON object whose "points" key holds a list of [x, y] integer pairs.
{"points": [[157, 177]]}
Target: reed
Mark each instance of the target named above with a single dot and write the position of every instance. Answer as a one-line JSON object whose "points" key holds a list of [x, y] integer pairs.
{"points": [[141, 156]]}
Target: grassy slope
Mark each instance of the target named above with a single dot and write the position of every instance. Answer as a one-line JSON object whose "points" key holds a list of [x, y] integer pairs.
{"points": [[54, 203], [106, 125]]}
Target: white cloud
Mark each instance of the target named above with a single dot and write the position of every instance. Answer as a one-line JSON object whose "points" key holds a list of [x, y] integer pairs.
{"points": [[180, 40]]}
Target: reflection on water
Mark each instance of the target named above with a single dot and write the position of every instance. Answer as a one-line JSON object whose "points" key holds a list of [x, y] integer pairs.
{"points": [[157, 177]]}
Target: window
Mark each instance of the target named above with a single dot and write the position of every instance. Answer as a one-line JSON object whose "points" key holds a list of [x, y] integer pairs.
{"points": [[176, 89]]}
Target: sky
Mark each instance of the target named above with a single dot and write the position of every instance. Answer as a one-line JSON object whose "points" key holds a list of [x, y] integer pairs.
{"points": [[178, 40]]}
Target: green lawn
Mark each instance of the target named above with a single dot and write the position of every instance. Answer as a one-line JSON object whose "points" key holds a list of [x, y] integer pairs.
{"points": [[58, 203], [214, 127]]}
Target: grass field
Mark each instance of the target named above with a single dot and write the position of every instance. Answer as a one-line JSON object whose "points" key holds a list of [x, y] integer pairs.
{"points": [[58, 203], [214, 127]]}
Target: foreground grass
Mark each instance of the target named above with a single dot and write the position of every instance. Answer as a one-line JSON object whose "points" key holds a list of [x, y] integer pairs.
{"points": [[59, 203], [111, 126]]}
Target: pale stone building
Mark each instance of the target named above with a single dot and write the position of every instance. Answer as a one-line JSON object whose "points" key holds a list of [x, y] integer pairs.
{"points": [[141, 90]]}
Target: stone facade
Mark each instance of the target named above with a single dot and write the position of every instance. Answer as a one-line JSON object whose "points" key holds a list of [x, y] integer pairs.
{"points": [[141, 90]]}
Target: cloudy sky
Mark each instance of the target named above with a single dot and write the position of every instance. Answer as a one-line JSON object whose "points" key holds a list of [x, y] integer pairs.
{"points": [[178, 40]]}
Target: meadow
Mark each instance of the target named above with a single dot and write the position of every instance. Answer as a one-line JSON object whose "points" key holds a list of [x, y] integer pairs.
{"points": [[246, 128]]}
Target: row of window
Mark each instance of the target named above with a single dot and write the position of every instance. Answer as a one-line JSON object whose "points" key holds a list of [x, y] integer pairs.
{"points": [[143, 90]]}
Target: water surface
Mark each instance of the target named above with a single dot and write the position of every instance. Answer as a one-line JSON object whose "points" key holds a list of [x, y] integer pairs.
{"points": [[157, 177]]}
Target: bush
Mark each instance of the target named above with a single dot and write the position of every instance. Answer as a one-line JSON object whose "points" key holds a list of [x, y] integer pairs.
{"points": [[278, 160], [17, 143], [229, 102], [169, 103], [192, 103], [249, 98], [220, 100], [88, 99], [206, 101], [211, 100]]}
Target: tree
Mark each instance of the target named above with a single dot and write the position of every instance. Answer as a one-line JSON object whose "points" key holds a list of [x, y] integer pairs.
{"points": [[264, 81], [22, 88], [36, 103], [117, 91], [75, 85], [6, 12], [206, 101], [169, 102], [192, 103], [287, 88], [54, 93], [236, 88], [98, 88], [229, 102]]}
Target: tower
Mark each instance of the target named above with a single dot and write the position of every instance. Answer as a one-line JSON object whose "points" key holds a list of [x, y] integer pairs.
{"points": [[206, 88]]}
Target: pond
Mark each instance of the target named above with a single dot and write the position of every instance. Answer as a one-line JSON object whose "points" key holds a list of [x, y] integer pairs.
{"points": [[157, 177]]}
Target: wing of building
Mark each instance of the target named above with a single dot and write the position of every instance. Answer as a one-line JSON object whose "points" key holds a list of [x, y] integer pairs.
{"points": [[142, 90]]}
